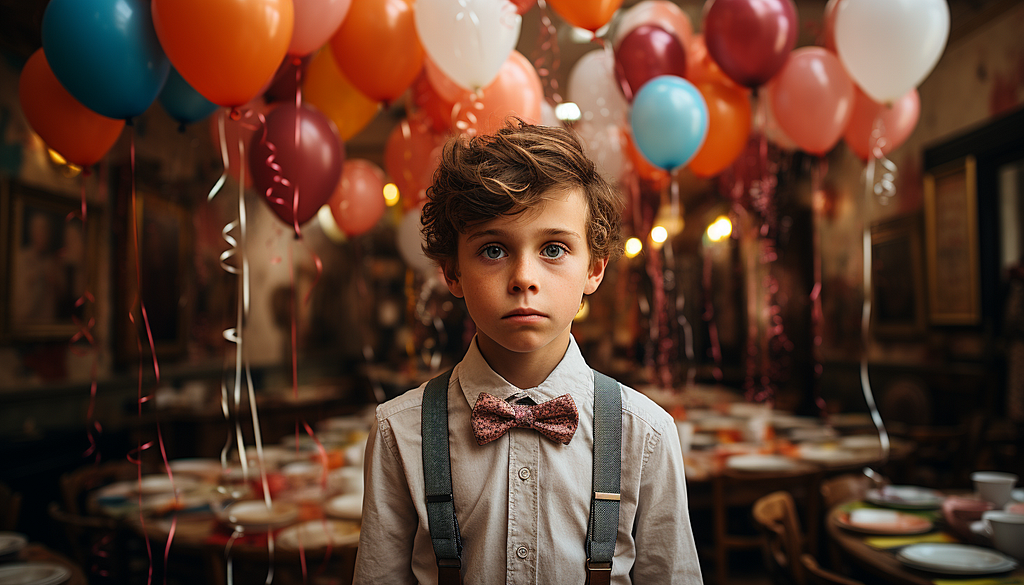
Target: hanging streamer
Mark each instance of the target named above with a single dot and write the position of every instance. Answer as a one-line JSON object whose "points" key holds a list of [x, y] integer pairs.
{"points": [[547, 56]]}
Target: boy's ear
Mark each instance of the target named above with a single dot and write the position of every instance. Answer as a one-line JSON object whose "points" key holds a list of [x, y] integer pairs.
{"points": [[596, 275], [451, 278]]}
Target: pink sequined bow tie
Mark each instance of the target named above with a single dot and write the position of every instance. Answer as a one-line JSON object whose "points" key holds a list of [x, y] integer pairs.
{"points": [[556, 419]]}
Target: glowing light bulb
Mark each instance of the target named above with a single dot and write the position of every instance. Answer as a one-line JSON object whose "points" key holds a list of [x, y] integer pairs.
{"points": [[391, 194], [659, 234], [567, 112], [633, 247], [720, 229]]}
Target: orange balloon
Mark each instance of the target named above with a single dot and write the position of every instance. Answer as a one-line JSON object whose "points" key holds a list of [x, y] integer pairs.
{"points": [[653, 178], [326, 87], [729, 119], [411, 155], [515, 91], [227, 50], [377, 48], [700, 67], [79, 134], [428, 103], [588, 14]]}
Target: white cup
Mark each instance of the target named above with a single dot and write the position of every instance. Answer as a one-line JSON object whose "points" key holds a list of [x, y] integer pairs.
{"points": [[994, 486], [1007, 532], [686, 430]]}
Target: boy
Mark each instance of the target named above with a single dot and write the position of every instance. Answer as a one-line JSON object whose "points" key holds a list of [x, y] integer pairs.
{"points": [[523, 227]]}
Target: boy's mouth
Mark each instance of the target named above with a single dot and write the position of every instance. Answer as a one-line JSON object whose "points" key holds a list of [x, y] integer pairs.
{"points": [[523, 314]]}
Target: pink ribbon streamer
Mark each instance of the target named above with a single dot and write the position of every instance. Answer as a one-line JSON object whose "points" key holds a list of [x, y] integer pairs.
{"points": [[546, 55]]}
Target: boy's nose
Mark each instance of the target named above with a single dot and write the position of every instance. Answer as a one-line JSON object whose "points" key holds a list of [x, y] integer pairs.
{"points": [[523, 277]]}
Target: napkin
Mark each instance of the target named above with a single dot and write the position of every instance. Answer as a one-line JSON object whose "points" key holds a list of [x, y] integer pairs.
{"points": [[884, 542]]}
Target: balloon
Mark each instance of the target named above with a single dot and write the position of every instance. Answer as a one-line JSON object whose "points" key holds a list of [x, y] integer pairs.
{"points": [[377, 49], [516, 91], [183, 103], [645, 53], [105, 53], [750, 39], [670, 121], [410, 243], [588, 14], [239, 131], [327, 89], [312, 167], [548, 116], [315, 22], [812, 99], [654, 178], [523, 6], [447, 89], [281, 87], [897, 122], [411, 155], [357, 203], [700, 67], [593, 87], [428, 104], [890, 46], [829, 32], [226, 49], [468, 40], [729, 118], [660, 12], [769, 126], [605, 145], [79, 134]]}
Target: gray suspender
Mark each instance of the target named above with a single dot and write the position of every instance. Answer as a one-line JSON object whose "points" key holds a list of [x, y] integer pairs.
{"points": [[602, 526]]}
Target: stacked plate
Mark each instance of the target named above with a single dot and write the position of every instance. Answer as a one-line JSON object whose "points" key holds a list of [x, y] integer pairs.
{"points": [[955, 559], [905, 497], [255, 516], [34, 573], [761, 462], [314, 534], [11, 543]]}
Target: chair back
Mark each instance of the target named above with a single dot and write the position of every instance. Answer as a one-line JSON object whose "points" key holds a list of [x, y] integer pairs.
{"points": [[776, 516], [820, 576], [10, 508], [92, 542], [843, 488], [76, 485]]}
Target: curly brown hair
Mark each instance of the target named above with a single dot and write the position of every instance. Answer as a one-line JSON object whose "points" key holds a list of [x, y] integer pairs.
{"points": [[507, 173]]}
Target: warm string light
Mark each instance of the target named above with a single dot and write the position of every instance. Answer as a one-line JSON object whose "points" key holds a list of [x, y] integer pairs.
{"points": [[720, 229], [633, 247], [391, 194]]}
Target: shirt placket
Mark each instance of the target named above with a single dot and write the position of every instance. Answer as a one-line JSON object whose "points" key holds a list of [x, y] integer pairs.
{"points": [[523, 506]]}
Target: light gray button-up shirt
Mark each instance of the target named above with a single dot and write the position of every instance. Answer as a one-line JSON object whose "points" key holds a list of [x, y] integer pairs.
{"points": [[523, 501]]}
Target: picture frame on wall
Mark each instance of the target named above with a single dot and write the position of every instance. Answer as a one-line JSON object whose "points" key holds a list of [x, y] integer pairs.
{"points": [[153, 253], [951, 243], [49, 262], [897, 278]]}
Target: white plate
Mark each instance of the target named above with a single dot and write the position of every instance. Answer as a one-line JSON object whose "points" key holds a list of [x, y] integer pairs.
{"points": [[197, 467], [11, 542], [831, 455], [314, 534], [955, 559], [161, 484], [906, 497], [255, 514], [34, 573], [759, 462], [349, 506], [880, 521], [784, 422]]}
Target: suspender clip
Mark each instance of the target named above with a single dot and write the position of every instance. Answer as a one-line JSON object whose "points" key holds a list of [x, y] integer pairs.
{"points": [[449, 563], [606, 496], [596, 566]]}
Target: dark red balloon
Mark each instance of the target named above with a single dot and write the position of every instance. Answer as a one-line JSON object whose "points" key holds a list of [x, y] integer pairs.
{"points": [[750, 39], [645, 53], [281, 87], [313, 165]]}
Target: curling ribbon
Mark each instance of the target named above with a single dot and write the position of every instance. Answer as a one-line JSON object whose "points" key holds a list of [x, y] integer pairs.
{"points": [[464, 114], [85, 330], [883, 186], [547, 54]]}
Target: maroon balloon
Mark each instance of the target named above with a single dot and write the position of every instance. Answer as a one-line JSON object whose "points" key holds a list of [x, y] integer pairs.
{"points": [[313, 165], [750, 39], [645, 53], [281, 87], [523, 6]]}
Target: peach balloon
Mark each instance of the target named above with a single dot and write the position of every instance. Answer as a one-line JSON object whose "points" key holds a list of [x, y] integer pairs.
{"points": [[897, 122], [588, 14], [411, 155], [358, 201], [516, 91], [315, 22], [812, 99]]}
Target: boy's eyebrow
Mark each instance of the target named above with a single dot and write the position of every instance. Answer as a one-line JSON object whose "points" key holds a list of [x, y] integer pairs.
{"points": [[501, 233]]}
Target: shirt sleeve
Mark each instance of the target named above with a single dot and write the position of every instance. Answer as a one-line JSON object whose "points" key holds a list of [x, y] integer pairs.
{"points": [[665, 549], [389, 516]]}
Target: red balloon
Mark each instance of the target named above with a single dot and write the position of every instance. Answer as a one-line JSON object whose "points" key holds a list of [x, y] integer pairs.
{"points": [[896, 123], [410, 157], [750, 39], [281, 88], [312, 167], [645, 53], [358, 201], [79, 134], [430, 104], [812, 99]]}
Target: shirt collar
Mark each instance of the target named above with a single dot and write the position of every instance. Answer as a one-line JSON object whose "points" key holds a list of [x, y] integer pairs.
{"points": [[571, 376]]}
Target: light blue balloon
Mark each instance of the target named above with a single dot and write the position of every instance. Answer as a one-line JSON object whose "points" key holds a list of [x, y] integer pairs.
{"points": [[106, 54], [182, 101], [670, 121]]}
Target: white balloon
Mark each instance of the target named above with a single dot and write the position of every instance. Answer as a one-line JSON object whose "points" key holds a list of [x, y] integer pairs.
{"points": [[469, 40], [604, 144], [593, 87], [890, 46], [410, 243]]}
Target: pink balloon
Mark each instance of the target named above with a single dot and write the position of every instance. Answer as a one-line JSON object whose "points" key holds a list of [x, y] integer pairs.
{"points": [[358, 201], [442, 84], [750, 39], [315, 23], [812, 99], [660, 12], [312, 167], [897, 122], [645, 53], [516, 91]]}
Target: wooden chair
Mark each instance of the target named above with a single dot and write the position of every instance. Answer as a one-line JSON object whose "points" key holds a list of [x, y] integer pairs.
{"points": [[93, 543], [843, 488], [820, 576], [76, 485], [735, 490], [776, 516], [10, 508]]}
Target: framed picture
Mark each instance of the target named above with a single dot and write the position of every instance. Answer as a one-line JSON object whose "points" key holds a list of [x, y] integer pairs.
{"points": [[159, 279], [951, 236], [49, 260], [897, 289]]}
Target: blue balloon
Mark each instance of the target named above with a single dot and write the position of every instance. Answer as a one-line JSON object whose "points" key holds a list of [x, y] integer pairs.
{"points": [[182, 102], [669, 120], [106, 54]]}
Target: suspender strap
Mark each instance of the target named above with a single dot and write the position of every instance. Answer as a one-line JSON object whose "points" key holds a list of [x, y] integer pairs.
{"points": [[604, 506], [437, 475]]}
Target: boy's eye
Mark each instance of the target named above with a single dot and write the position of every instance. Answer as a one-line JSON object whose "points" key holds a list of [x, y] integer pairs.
{"points": [[553, 251], [493, 252]]}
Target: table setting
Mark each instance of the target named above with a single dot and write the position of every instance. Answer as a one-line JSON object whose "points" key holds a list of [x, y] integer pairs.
{"points": [[26, 563]]}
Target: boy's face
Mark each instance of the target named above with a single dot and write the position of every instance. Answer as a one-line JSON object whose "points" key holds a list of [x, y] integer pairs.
{"points": [[523, 276]]}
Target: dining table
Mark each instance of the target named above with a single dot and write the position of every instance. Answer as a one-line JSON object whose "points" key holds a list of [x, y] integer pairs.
{"points": [[912, 544]]}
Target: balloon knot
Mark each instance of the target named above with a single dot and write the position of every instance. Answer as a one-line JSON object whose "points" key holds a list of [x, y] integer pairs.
{"points": [[235, 114], [129, 121]]}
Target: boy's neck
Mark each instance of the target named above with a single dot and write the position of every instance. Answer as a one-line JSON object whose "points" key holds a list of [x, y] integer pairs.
{"points": [[522, 370]]}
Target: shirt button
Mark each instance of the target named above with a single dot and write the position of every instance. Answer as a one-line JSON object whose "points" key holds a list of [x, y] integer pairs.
{"points": [[524, 473], [522, 552]]}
